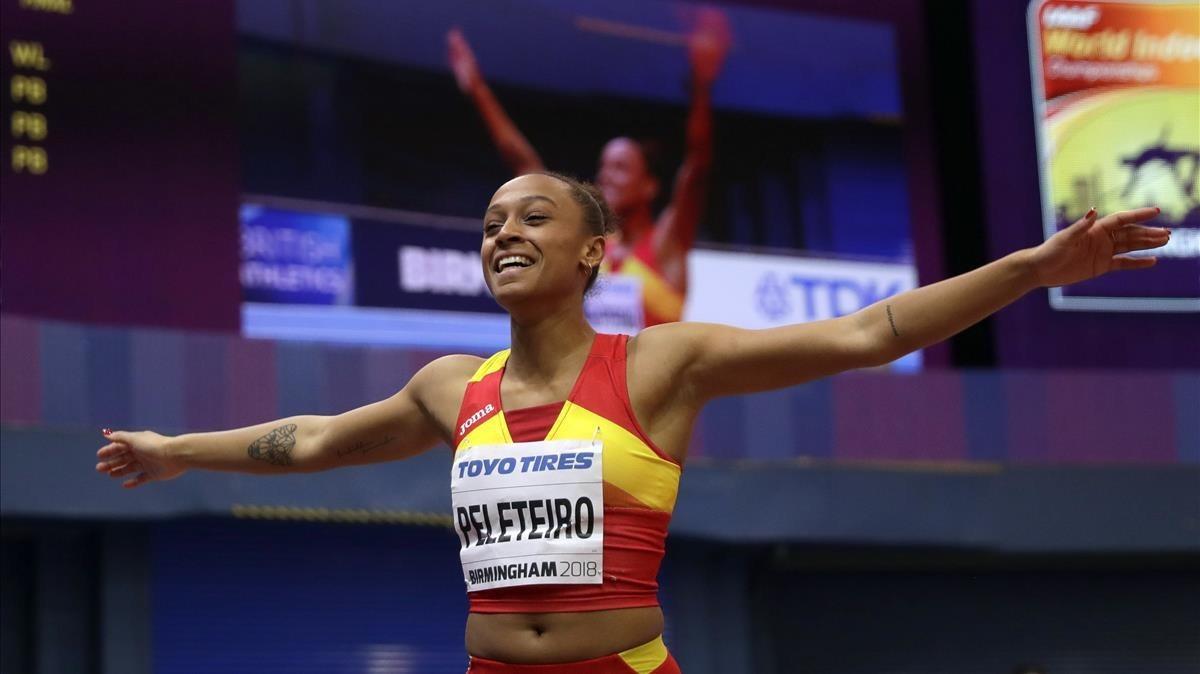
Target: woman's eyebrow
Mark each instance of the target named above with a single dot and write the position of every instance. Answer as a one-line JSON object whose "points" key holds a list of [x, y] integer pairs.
{"points": [[499, 206]]}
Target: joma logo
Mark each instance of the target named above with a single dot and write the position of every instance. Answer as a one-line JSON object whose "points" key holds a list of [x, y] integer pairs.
{"points": [[475, 417]]}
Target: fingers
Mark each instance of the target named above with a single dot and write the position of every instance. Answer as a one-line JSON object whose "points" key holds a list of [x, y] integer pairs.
{"points": [[113, 457], [105, 466], [118, 463], [457, 41], [1084, 223], [1124, 263], [1138, 237], [111, 451], [118, 469], [116, 459], [115, 463], [117, 436], [1122, 218], [126, 469], [111, 435]]}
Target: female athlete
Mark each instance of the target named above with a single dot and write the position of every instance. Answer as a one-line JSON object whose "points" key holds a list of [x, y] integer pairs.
{"points": [[568, 446], [654, 250]]}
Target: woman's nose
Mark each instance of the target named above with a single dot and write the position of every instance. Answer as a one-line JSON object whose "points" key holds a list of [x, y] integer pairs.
{"points": [[510, 230]]}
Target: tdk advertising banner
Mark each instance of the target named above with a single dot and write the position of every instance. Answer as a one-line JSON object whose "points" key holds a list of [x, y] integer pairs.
{"points": [[1117, 104], [765, 291]]}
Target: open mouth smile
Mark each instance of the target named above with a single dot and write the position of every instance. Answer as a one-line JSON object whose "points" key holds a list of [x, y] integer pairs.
{"points": [[511, 264]]}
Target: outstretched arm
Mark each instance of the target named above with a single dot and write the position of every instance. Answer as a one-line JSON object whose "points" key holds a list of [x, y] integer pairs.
{"points": [[707, 47], [396, 428], [715, 360], [513, 146]]}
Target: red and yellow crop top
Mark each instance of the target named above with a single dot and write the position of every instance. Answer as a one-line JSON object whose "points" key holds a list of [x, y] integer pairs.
{"points": [[640, 482]]}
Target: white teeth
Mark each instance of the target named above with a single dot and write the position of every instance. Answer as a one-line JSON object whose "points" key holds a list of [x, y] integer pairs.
{"points": [[509, 260]]}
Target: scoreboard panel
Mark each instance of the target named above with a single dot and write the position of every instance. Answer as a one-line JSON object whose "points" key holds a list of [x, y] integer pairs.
{"points": [[118, 161]]}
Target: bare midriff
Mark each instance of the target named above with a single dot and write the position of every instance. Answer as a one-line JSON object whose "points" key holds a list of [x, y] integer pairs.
{"points": [[548, 638]]}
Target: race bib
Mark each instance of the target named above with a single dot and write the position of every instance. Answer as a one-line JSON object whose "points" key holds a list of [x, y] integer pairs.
{"points": [[530, 513]]}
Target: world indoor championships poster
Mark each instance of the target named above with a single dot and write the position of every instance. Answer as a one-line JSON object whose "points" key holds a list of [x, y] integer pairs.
{"points": [[1117, 105]]}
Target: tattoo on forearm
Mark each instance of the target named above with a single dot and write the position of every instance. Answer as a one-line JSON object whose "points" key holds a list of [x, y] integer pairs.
{"points": [[892, 321], [362, 446], [275, 447]]}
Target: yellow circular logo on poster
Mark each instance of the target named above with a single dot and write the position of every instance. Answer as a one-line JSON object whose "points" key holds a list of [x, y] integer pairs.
{"points": [[1126, 148]]}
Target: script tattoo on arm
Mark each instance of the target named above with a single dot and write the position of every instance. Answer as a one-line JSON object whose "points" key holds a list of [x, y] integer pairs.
{"points": [[275, 447], [362, 446], [892, 321]]}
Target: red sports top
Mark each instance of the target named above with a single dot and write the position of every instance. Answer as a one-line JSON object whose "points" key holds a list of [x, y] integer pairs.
{"points": [[640, 481]]}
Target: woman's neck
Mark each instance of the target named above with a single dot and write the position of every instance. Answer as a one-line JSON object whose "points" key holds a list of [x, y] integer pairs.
{"points": [[545, 347]]}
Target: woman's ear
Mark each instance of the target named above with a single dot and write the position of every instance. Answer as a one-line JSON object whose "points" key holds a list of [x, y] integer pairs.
{"points": [[594, 253]]}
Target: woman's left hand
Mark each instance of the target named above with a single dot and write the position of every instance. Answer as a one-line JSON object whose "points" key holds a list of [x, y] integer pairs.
{"points": [[1093, 246]]}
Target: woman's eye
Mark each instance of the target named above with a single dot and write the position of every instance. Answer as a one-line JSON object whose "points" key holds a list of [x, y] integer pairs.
{"points": [[491, 227], [534, 217]]}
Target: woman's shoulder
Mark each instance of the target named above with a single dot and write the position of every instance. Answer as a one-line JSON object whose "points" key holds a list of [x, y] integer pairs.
{"points": [[452, 369], [669, 342], [438, 387]]}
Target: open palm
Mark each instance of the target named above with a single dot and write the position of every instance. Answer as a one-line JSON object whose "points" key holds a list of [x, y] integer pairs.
{"points": [[1094, 246]]}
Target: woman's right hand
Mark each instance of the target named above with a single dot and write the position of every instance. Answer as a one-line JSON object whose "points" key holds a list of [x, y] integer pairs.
{"points": [[142, 455], [709, 44], [462, 61]]}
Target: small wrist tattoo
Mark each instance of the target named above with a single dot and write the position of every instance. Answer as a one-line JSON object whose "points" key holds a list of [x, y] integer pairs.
{"points": [[892, 321]]}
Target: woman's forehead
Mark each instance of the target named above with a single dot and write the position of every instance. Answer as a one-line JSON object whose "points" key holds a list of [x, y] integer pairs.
{"points": [[623, 150], [524, 187]]}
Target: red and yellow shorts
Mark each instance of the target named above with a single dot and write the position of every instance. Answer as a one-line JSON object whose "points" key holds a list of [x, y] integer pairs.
{"points": [[649, 658]]}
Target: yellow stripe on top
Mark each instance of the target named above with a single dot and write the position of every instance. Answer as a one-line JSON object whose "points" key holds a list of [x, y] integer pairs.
{"points": [[493, 431], [658, 296], [628, 463], [647, 657], [492, 364]]}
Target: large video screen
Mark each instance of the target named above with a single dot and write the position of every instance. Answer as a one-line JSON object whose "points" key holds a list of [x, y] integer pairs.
{"points": [[301, 169], [1117, 98], [118, 162], [728, 139]]}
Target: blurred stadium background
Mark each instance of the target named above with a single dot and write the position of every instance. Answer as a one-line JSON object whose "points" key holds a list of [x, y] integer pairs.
{"points": [[218, 212]]}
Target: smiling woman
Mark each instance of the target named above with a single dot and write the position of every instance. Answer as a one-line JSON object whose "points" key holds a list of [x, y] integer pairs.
{"points": [[568, 447], [538, 209]]}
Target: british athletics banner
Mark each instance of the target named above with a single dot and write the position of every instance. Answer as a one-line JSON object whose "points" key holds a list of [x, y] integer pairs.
{"points": [[334, 272], [300, 258], [1117, 106]]}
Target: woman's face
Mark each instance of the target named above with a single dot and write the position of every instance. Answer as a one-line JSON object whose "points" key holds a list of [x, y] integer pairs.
{"points": [[625, 178], [535, 243]]}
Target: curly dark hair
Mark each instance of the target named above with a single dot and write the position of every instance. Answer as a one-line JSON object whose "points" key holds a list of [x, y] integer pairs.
{"points": [[598, 217]]}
